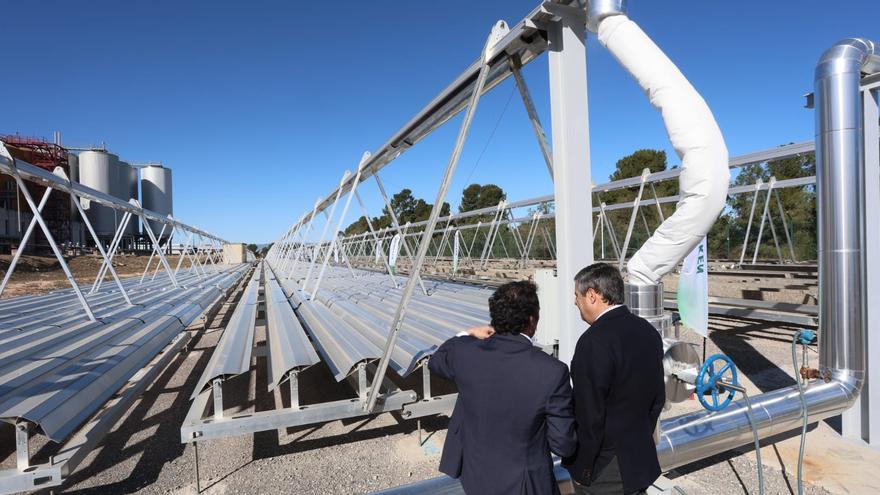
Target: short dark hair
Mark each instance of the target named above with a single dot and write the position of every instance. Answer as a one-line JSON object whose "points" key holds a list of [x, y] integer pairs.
{"points": [[511, 306], [602, 278]]}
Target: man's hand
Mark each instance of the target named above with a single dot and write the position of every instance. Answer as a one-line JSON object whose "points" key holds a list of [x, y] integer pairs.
{"points": [[481, 333]]}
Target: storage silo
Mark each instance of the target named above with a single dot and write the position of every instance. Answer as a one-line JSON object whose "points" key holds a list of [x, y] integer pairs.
{"points": [[99, 170], [134, 224], [73, 175], [123, 192], [120, 190], [156, 194], [77, 227]]}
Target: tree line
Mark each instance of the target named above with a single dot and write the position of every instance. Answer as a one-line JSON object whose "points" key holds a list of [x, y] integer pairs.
{"points": [[725, 240]]}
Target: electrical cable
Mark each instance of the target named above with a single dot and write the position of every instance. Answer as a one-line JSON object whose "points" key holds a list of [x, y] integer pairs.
{"points": [[491, 134], [800, 336], [757, 442]]}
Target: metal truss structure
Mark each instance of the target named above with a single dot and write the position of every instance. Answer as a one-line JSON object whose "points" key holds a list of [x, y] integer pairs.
{"points": [[73, 361], [345, 314]]}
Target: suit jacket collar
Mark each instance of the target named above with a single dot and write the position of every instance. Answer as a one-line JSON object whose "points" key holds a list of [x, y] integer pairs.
{"points": [[513, 337], [614, 313]]}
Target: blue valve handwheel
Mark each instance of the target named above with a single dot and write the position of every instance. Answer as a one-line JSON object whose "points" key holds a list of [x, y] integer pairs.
{"points": [[708, 378]]}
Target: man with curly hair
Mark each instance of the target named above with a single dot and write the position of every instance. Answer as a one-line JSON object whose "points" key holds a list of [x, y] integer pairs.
{"points": [[514, 401]]}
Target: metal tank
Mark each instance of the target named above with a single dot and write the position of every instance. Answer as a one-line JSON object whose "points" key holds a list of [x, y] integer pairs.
{"points": [[99, 170], [156, 193], [123, 192], [134, 225], [77, 228]]}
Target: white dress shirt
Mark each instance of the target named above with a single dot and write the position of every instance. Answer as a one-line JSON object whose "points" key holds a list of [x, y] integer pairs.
{"points": [[609, 308], [465, 334]]}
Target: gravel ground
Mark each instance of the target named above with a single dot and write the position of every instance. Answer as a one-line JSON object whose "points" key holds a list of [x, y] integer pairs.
{"points": [[35, 275], [143, 453]]}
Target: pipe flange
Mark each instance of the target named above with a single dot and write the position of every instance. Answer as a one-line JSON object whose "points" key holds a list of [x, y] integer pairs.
{"points": [[600, 9]]}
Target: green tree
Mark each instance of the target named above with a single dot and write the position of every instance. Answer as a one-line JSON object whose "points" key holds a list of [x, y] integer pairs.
{"points": [[476, 196], [632, 166], [358, 227], [407, 207], [252, 248], [798, 203]]}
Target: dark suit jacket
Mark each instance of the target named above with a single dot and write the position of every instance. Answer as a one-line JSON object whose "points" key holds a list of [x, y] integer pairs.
{"points": [[617, 374], [513, 408]]}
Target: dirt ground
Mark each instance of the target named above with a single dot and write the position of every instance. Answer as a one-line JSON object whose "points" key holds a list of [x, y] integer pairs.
{"points": [[36, 275]]}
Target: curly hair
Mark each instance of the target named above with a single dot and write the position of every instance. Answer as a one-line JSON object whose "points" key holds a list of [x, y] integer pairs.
{"points": [[511, 306]]}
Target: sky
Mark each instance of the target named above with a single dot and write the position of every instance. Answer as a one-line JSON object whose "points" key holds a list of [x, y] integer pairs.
{"points": [[259, 107]]}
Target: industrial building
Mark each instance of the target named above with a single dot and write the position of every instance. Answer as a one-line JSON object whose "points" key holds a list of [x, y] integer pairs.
{"points": [[99, 169]]}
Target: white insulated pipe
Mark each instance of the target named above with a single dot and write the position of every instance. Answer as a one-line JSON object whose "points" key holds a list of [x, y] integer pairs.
{"points": [[693, 132]]}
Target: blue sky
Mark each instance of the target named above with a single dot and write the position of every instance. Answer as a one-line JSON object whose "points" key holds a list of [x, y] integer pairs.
{"points": [[259, 106]]}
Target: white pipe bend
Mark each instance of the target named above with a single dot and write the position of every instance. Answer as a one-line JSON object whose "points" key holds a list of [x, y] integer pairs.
{"points": [[697, 140]]}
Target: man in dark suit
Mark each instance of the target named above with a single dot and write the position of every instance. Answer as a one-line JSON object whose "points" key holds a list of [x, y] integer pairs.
{"points": [[514, 402], [617, 375]]}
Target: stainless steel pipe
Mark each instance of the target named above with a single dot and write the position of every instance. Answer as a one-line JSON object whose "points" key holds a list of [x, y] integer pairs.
{"points": [[840, 192]]}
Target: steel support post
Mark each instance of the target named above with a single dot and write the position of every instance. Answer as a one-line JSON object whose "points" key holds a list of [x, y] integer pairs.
{"points": [[474, 241], [24, 240], [291, 261], [503, 245], [396, 224], [632, 219], [22, 452], [513, 227], [758, 185], [785, 226], [645, 222], [196, 466], [515, 69], [298, 253], [571, 167], [610, 228], [862, 421], [152, 236], [490, 236], [150, 259], [657, 203], [98, 245], [772, 226], [211, 252], [375, 237], [344, 256], [49, 238], [498, 31], [332, 244], [184, 253], [328, 219], [426, 381], [363, 388], [530, 237], [196, 257], [293, 378], [217, 393], [443, 241], [114, 246], [763, 219], [549, 240]]}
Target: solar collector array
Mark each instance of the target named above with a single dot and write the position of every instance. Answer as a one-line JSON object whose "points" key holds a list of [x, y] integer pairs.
{"points": [[58, 367]]}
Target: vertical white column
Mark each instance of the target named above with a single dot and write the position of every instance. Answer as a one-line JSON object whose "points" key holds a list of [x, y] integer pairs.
{"points": [[571, 169]]}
